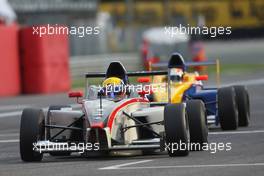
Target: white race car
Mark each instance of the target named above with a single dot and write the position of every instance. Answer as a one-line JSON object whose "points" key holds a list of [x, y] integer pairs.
{"points": [[105, 124]]}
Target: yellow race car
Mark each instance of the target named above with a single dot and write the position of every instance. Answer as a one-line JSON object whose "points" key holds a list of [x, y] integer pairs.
{"points": [[227, 106]]}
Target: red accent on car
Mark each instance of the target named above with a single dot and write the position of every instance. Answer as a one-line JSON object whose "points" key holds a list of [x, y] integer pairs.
{"points": [[97, 125], [113, 114], [76, 94], [202, 78]]}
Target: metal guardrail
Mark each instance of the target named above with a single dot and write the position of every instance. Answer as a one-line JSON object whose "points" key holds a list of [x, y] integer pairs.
{"points": [[98, 63]]}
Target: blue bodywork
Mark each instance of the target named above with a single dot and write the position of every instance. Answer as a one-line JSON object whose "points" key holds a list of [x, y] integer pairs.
{"points": [[207, 95], [196, 91]]}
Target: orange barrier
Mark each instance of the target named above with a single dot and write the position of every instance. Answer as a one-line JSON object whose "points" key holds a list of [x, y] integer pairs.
{"points": [[9, 61], [199, 55], [45, 62]]}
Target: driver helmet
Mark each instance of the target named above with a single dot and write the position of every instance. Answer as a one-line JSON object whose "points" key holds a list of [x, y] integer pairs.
{"points": [[176, 74], [114, 89]]}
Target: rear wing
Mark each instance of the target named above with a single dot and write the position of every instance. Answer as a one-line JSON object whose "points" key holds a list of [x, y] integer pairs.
{"points": [[187, 64], [129, 74], [203, 63], [215, 63]]}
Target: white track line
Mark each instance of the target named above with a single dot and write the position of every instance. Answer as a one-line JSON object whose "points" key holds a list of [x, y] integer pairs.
{"points": [[10, 114], [237, 132], [18, 113], [9, 141], [248, 82], [9, 134], [184, 166], [122, 165], [13, 107]]}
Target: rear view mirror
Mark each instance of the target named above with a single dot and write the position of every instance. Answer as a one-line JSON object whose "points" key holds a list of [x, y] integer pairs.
{"points": [[75, 94], [202, 78]]}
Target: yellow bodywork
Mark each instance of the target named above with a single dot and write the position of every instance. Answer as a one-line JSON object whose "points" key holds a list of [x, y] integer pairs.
{"points": [[177, 89]]}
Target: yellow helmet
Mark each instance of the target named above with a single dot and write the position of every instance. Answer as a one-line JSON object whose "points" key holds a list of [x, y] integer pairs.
{"points": [[112, 81], [114, 89]]}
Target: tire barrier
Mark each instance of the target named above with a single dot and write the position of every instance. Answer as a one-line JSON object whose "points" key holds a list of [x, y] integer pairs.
{"points": [[44, 62], [9, 61]]}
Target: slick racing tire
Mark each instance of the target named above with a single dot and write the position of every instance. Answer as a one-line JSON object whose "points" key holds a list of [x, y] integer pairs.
{"points": [[31, 131], [56, 107], [243, 105], [176, 130], [149, 152], [227, 108], [197, 123]]}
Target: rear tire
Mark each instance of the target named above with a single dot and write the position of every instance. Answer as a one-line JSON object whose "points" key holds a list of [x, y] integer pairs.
{"points": [[31, 131], [243, 105], [176, 129], [227, 108], [56, 107], [197, 123]]}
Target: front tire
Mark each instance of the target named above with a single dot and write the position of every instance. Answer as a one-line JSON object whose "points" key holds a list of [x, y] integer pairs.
{"points": [[227, 108], [242, 99], [31, 131], [176, 129], [65, 153], [197, 122]]}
